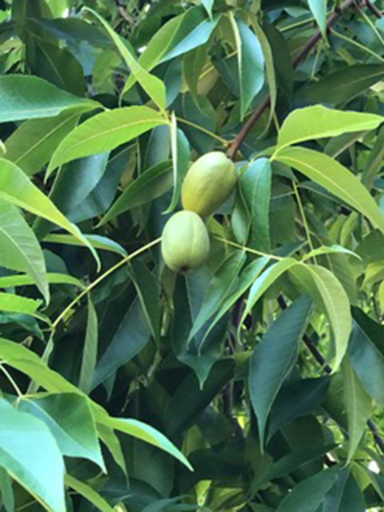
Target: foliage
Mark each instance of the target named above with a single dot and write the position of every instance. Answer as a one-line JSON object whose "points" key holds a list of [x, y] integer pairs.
{"points": [[255, 383]]}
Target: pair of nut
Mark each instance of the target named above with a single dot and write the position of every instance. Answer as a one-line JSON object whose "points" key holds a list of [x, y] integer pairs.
{"points": [[207, 185]]}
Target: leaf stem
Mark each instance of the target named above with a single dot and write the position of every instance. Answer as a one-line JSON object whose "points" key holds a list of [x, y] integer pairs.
{"points": [[358, 45], [304, 217], [97, 281], [247, 249], [223, 141], [11, 380]]}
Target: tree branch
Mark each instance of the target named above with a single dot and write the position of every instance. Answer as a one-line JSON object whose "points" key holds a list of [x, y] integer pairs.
{"points": [[373, 9], [299, 57]]}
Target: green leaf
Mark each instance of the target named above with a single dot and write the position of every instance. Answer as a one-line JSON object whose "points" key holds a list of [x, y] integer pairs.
{"points": [[255, 184], [219, 288], [198, 36], [250, 61], [365, 356], [308, 495], [16, 304], [331, 249], [319, 122], [153, 183], [104, 132], [98, 242], [297, 399], [135, 326], [208, 5], [148, 291], [55, 64], [19, 357], [33, 143], [29, 97], [358, 405], [345, 495], [25, 280], [20, 249], [152, 85], [7, 497], [69, 418], [89, 359], [345, 84], [248, 276], [145, 433], [29, 452], [330, 295], [16, 188], [180, 161], [273, 359], [112, 442], [201, 351], [270, 74], [88, 493], [166, 38], [319, 11], [334, 177], [263, 282], [375, 160]]}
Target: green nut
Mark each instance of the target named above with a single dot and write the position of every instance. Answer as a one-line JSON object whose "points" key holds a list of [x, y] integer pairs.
{"points": [[185, 243], [208, 183]]}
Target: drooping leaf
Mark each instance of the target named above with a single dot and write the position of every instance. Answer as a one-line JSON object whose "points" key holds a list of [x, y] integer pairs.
{"points": [[180, 160], [255, 184], [20, 249], [29, 452], [69, 418], [358, 405], [88, 493], [89, 360], [326, 290], [146, 433], [250, 61], [273, 359]]}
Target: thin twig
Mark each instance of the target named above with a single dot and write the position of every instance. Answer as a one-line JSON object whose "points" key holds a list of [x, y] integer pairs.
{"points": [[299, 57], [373, 9]]}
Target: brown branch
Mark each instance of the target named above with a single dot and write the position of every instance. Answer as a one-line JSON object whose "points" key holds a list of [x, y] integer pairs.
{"points": [[299, 57], [373, 9], [328, 370]]}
